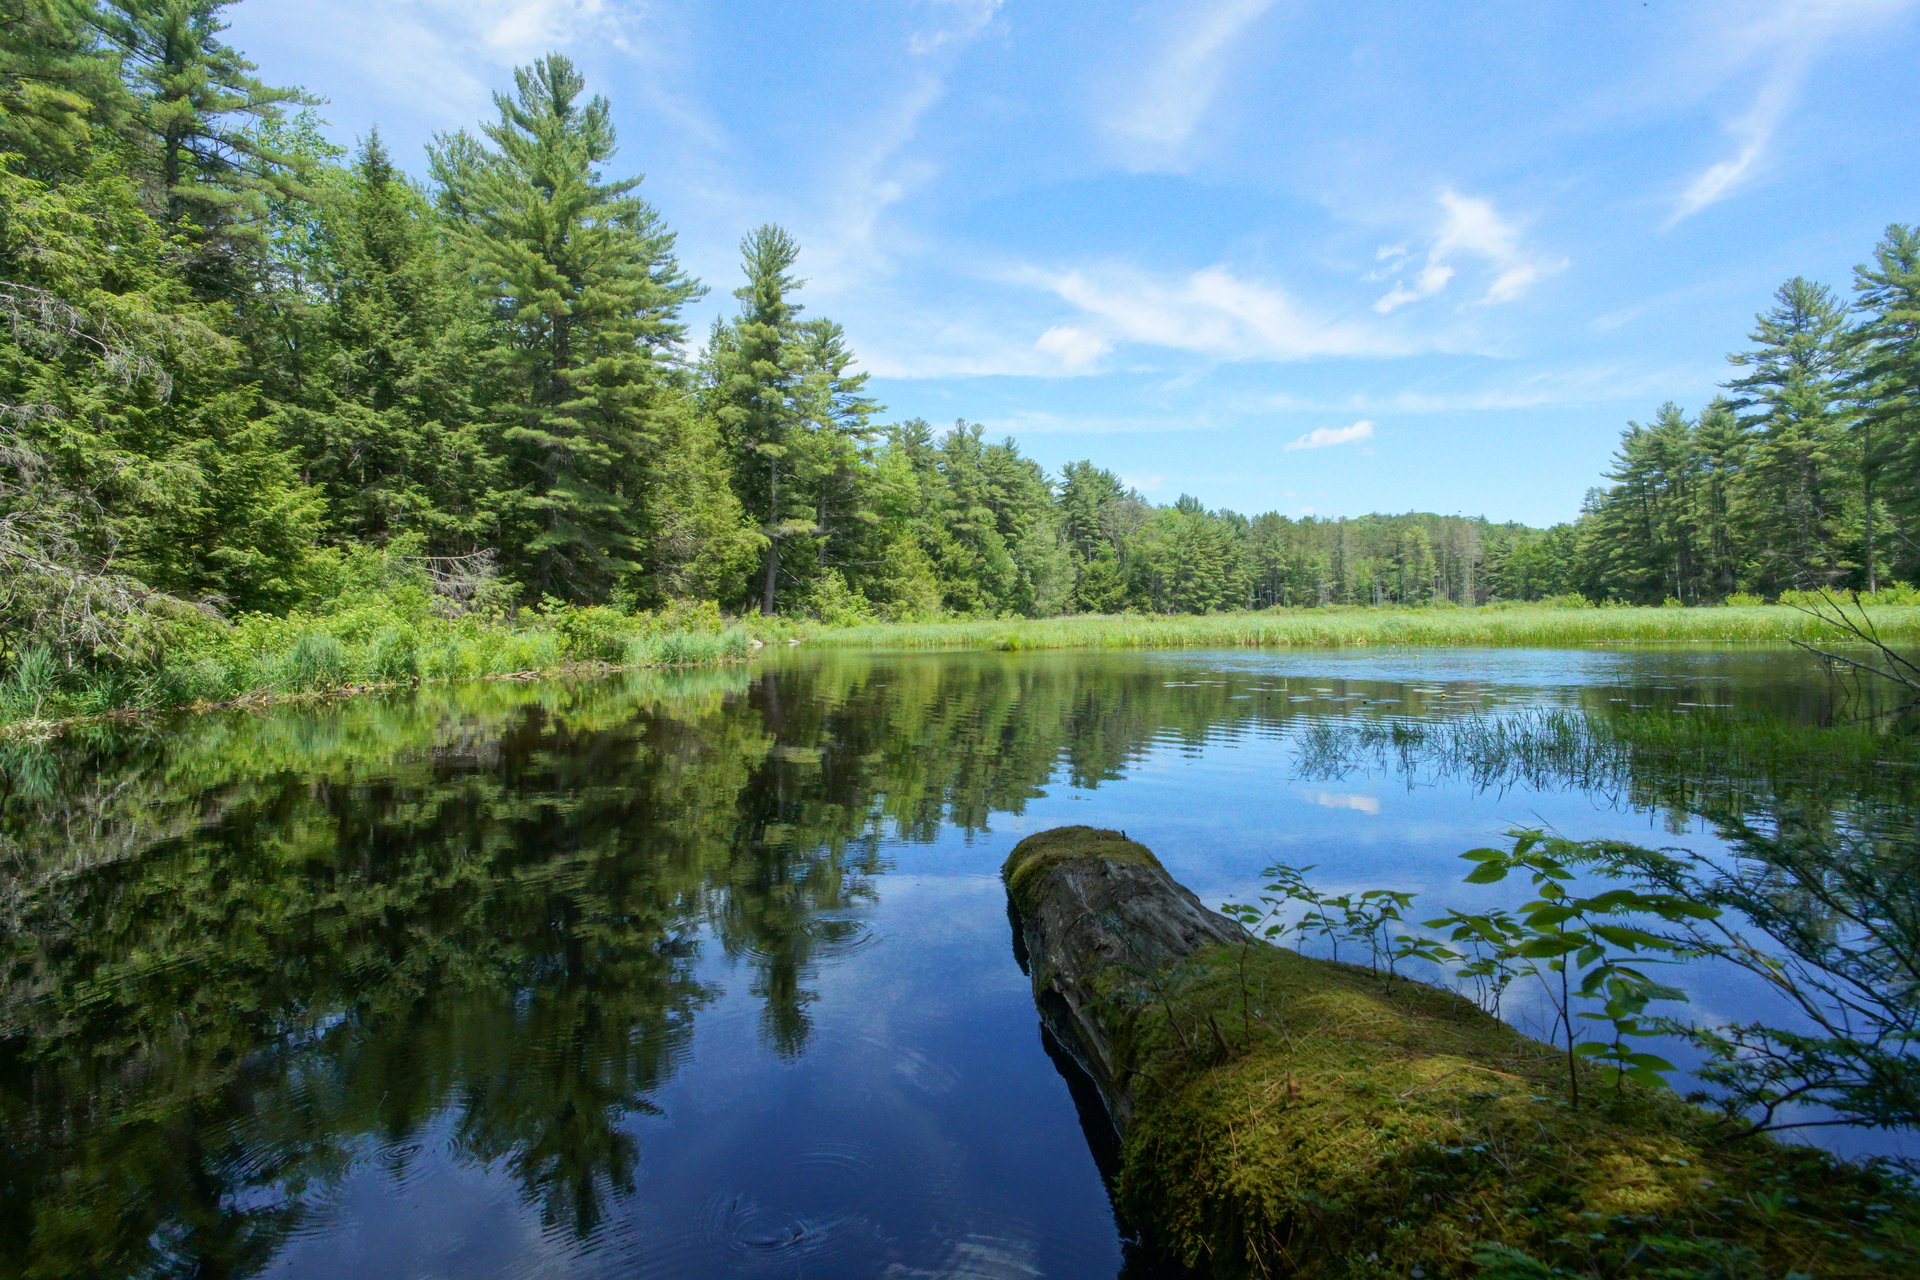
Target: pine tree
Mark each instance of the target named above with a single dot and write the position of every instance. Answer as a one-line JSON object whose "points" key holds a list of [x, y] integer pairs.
{"points": [[1791, 403], [56, 89], [755, 380], [1887, 386], [196, 108], [839, 433], [1721, 447], [586, 296], [389, 435]]}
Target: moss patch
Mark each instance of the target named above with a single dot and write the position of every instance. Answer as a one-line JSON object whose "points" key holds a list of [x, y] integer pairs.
{"points": [[1033, 857], [1343, 1124]]}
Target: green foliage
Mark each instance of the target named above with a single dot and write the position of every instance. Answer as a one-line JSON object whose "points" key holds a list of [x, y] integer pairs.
{"points": [[230, 354]]}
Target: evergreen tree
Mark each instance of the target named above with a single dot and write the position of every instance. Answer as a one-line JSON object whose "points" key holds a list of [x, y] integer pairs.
{"points": [[196, 105], [756, 372], [1721, 447], [389, 436], [1887, 385], [586, 295], [1791, 405], [58, 95]]}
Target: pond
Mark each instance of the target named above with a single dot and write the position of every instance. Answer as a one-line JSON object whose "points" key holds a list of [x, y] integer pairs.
{"points": [[710, 973]]}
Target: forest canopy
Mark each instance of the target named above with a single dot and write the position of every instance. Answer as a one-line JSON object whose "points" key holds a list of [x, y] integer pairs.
{"points": [[235, 360]]}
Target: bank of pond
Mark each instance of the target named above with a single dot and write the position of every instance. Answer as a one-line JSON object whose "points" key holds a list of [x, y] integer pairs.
{"points": [[376, 636], [708, 971]]}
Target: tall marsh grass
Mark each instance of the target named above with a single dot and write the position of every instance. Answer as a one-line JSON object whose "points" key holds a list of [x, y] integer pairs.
{"points": [[1545, 627], [377, 643]]}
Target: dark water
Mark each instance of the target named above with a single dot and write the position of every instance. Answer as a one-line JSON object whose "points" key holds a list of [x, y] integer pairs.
{"points": [[710, 974]]}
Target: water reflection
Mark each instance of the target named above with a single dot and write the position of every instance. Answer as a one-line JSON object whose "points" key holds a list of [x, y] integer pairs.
{"points": [[254, 969]]}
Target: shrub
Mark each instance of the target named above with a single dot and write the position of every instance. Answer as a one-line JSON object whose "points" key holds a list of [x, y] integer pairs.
{"points": [[1744, 600], [835, 603], [592, 634], [316, 661], [395, 656]]}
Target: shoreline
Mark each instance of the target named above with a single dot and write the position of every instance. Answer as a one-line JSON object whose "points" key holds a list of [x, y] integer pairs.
{"points": [[262, 700]]}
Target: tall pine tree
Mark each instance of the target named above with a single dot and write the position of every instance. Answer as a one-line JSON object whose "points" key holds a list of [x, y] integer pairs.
{"points": [[586, 296]]}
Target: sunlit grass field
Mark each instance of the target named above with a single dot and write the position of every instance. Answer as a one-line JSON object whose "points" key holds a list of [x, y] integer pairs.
{"points": [[1334, 628]]}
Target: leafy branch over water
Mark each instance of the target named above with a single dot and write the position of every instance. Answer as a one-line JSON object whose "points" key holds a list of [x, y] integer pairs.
{"points": [[1826, 932]]}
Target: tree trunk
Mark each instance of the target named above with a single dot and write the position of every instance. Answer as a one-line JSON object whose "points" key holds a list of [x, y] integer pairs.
{"points": [[770, 577]]}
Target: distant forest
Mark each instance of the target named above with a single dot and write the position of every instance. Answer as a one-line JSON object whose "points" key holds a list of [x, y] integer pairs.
{"points": [[233, 356]]}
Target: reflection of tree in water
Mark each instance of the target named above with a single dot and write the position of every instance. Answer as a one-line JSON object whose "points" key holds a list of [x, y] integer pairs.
{"points": [[238, 951]]}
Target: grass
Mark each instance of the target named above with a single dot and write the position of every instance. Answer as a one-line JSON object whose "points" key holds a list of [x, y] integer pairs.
{"points": [[1363, 1125], [1333, 628], [257, 659]]}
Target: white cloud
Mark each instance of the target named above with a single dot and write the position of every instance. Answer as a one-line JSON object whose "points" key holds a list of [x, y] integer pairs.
{"points": [[1327, 437], [970, 20], [527, 28], [1036, 422], [1076, 349], [1162, 108], [1470, 228], [1212, 312], [1781, 44], [1144, 484]]}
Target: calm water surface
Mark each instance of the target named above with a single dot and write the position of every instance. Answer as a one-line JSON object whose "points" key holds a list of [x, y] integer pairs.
{"points": [[710, 974]]}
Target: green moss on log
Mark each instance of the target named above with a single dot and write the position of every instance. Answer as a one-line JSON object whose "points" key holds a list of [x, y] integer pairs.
{"points": [[1293, 1116], [1033, 857]]}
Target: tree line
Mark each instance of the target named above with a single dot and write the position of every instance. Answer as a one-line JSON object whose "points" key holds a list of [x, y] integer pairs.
{"points": [[232, 353]]}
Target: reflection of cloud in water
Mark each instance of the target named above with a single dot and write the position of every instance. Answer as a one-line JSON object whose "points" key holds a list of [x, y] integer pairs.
{"points": [[1347, 800], [976, 1258]]}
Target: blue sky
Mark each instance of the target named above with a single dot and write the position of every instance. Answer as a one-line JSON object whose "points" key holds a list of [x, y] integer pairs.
{"points": [[1310, 257]]}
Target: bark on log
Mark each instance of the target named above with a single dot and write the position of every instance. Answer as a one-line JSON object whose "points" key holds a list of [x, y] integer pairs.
{"points": [[1087, 904]]}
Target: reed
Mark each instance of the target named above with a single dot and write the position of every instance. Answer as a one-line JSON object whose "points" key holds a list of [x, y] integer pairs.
{"points": [[1336, 628]]}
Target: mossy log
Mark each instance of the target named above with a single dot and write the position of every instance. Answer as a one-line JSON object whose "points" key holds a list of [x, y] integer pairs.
{"points": [[1281, 1115], [1090, 904]]}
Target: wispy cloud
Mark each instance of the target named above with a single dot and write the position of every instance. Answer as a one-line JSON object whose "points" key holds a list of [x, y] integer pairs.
{"points": [[1212, 312], [966, 21], [1162, 108], [1780, 45], [1327, 437], [1597, 384], [1036, 422], [846, 247], [1470, 228]]}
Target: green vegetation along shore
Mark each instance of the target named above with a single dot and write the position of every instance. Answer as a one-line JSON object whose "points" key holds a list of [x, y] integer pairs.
{"points": [[384, 624], [1296, 1116], [1331, 628]]}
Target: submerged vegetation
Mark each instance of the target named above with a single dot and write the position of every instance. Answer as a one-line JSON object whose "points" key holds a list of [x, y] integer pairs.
{"points": [[1305, 1117]]}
